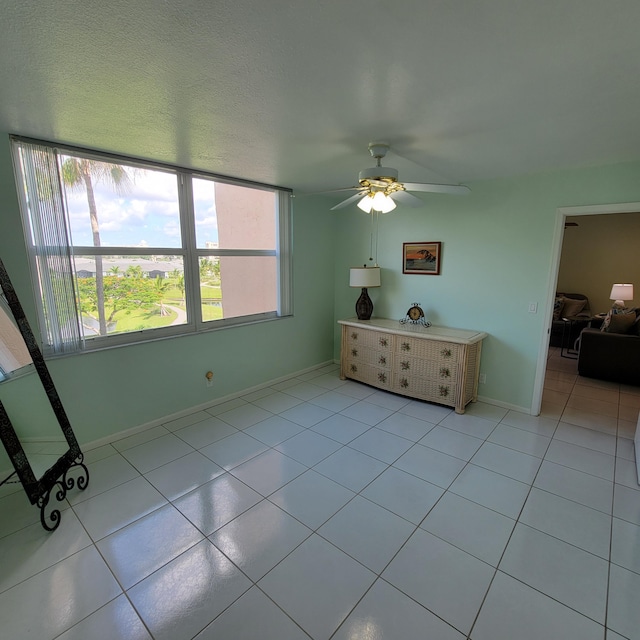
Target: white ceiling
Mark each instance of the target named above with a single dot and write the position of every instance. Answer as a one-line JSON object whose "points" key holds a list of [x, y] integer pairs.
{"points": [[291, 93]]}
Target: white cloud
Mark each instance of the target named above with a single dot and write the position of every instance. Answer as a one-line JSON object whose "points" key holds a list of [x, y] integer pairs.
{"points": [[150, 207]]}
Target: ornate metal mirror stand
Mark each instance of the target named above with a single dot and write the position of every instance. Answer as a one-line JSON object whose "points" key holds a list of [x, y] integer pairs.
{"points": [[69, 470]]}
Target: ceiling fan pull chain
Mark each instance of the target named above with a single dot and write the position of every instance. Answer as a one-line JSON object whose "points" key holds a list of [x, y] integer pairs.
{"points": [[373, 237], [377, 230], [371, 240]]}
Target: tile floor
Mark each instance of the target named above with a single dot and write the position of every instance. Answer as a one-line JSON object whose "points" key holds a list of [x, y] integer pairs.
{"points": [[321, 509]]}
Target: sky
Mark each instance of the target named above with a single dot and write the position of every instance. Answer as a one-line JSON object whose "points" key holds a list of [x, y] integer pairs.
{"points": [[145, 216]]}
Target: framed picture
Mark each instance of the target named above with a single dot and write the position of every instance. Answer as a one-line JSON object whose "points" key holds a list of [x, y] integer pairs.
{"points": [[421, 258]]}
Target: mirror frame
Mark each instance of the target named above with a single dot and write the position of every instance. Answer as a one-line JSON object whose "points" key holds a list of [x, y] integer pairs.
{"points": [[39, 490]]}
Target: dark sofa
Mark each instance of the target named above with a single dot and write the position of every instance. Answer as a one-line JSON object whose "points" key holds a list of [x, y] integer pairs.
{"points": [[610, 356]]}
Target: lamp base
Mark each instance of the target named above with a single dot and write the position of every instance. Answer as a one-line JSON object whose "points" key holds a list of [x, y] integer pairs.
{"points": [[364, 306]]}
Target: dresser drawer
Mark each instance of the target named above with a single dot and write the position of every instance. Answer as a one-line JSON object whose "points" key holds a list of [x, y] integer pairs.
{"points": [[423, 388], [359, 354], [367, 339], [441, 370], [375, 376], [441, 352]]}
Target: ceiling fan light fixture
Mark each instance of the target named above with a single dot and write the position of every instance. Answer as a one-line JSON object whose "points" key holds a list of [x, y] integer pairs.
{"points": [[366, 204], [382, 202], [382, 183]]}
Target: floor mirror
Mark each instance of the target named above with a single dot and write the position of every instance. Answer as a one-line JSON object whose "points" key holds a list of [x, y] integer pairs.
{"points": [[28, 396]]}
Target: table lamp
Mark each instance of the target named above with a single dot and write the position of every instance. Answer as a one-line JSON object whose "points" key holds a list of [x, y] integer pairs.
{"points": [[364, 277], [621, 293]]}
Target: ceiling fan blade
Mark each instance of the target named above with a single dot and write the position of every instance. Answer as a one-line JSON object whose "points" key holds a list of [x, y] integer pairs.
{"points": [[456, 189], [406, 198], [319, 193], [348, 201]]}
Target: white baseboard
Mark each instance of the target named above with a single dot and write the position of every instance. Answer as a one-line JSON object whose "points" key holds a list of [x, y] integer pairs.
{"points": [[505, 405]]}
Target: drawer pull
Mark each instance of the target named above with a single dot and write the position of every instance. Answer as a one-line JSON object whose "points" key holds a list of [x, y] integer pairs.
{"points": [[353, 368], [406, 346], [354, 336], [444, 391], [446, 353], [404, 383], [382, 360], [445, 373], [354, 352], [384, 342], [382, 377], [404, 365]]}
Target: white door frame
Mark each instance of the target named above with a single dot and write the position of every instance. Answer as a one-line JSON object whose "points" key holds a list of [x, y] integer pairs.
{"points": [[556, 251]]}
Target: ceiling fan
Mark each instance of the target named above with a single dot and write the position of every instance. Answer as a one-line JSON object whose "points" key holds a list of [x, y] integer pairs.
{"points": [[379, 189]]}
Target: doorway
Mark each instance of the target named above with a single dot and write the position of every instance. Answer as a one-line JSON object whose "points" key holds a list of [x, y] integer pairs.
{"points": [[563, 215]]}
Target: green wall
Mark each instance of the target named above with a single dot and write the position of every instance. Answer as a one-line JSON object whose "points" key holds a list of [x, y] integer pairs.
{"points": [[496, 259], [111, 390]]}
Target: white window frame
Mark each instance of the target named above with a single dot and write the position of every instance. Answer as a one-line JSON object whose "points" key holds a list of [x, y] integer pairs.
{"points": [[188, 251]]}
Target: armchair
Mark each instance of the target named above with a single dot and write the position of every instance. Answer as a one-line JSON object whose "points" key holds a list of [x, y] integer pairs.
{"points": [[574, 305]]}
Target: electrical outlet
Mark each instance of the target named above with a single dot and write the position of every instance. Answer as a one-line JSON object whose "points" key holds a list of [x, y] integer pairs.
{"points": [[533, 307], [483, 378], [209, 378]]}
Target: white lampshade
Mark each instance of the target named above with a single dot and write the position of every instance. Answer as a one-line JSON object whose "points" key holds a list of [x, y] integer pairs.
{"points": [[366, 203], [383, 203], [621, 292], [377, 202], [364, 277]]}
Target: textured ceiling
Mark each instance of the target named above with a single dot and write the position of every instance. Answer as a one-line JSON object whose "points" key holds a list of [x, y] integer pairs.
{"points": [[291, 93]]}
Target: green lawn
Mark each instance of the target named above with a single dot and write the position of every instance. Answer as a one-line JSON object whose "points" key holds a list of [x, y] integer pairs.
{"points": [[209, 312], [142, 319], [138, 319], [173, 294], [210, 291]]}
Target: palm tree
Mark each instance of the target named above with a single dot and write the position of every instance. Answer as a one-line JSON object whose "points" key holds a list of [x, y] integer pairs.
{"points": [[207, 267], [161, 286], [179, 278], [181, 287], [134, 271], [79, 173]]}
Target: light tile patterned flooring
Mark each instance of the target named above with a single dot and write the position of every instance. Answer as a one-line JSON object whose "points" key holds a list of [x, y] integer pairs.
{"points": [[321, 509]]}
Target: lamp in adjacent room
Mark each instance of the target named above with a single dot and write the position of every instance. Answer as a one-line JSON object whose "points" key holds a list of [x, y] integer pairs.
{"points": [[364, 277], [620, 293]]}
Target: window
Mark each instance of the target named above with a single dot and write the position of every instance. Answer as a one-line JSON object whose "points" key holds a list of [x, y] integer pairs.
{"points": [[125, 250]]}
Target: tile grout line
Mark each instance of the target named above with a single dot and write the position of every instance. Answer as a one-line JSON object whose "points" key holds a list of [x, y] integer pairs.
{"points": [[497, 567], [417, 527]]}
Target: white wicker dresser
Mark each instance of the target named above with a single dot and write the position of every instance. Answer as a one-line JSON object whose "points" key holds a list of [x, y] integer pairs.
{"points": [[436, 364]]}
